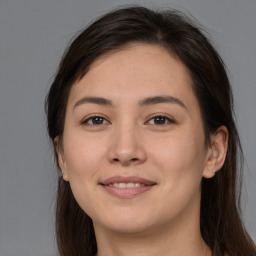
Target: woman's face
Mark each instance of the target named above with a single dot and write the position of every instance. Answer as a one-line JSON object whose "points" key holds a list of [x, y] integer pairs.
{"points": [[133, 143]]}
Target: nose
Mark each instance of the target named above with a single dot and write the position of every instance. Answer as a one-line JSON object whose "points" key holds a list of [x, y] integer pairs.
{"points": [[127, 147]]}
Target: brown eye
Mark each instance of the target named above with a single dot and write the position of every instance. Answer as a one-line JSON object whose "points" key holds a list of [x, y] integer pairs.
{"points": [[95, 120], [160, 120]]}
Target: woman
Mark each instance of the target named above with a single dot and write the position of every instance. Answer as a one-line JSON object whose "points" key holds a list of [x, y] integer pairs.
{"points": [[140, 116]]}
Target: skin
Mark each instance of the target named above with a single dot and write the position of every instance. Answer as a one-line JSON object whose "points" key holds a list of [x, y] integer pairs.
{"points": [[129, 141]]}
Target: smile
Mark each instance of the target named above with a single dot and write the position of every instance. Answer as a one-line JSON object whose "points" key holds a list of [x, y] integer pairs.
{"points": [[127, 187]]}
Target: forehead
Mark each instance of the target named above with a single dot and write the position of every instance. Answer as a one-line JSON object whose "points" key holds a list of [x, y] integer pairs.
{"points": [[136, 70]]}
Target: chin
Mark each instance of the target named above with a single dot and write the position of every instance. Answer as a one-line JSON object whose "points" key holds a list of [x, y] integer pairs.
{"points": [[125, 223]]}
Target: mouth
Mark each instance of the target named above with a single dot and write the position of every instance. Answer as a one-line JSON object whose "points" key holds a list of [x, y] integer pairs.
{"points": [[126, 187]]}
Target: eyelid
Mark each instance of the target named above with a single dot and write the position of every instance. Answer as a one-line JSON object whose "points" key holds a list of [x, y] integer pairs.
{"points": [[87, 118], [170, 120]]}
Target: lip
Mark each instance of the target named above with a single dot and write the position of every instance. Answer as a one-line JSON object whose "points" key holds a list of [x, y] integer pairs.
{"points": [[127, 192], [123, 179]]}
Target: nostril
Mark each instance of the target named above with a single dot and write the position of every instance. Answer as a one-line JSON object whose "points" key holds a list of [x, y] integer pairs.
{"points": [[131, 160]]}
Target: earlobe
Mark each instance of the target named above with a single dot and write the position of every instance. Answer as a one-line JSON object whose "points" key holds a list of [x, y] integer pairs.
{"points": [[60, 158], [216, 153]]}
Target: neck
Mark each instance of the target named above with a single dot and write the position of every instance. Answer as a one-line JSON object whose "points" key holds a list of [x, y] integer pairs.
{"points": [[142, 245]]}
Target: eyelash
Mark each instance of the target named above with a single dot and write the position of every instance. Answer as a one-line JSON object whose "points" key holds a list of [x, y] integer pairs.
{"points": [[167, 120], [91, 118]]}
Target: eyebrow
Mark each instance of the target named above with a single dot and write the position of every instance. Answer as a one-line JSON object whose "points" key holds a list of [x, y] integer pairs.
{"points": [[94, 100], [161, 99], [145, 102]]}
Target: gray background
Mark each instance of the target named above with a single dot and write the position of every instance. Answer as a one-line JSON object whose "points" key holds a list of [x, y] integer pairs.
{"points": [[33, 36]]}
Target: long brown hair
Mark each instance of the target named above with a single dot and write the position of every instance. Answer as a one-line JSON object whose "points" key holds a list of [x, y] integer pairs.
{"points": [[221, 225]]}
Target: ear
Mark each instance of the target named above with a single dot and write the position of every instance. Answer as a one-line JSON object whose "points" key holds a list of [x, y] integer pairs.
{"points": [[216, 153], [60, 157]]}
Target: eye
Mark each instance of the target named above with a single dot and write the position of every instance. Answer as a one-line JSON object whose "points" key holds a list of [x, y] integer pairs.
{"points": [[95, 120], [160, 120]]}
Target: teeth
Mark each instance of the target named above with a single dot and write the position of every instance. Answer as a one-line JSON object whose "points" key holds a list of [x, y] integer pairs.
{"points": [[120, 185], [126, 185]]}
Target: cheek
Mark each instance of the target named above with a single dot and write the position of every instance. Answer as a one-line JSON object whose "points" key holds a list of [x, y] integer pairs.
{"points": [[180, 161], [83, 161], [179, 148], [180, 157], [83, 155]]}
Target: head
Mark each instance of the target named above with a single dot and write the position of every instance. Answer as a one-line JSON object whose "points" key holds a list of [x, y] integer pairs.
{"points": [[181, 43]]}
